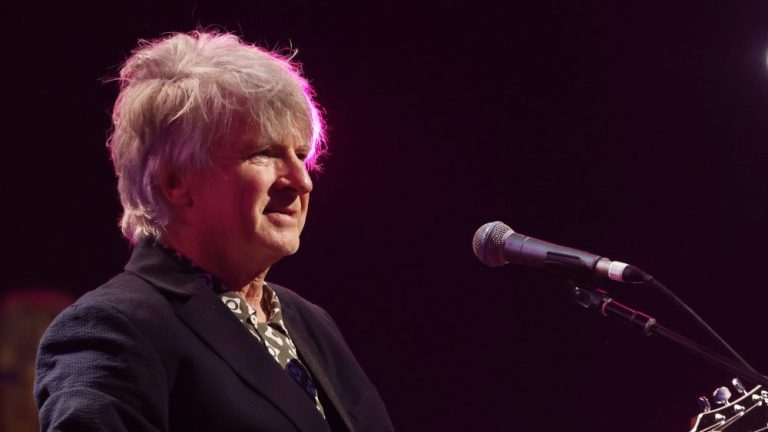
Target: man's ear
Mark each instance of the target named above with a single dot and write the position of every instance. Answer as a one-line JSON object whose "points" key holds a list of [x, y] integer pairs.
{"points": [[175, 187]]}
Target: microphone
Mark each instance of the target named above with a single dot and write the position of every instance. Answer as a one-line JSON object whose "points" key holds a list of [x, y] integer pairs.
{"points": [[496, 244]]}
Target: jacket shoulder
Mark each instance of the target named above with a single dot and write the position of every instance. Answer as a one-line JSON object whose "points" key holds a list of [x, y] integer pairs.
{"points": [[95, 358], [123, 287], [128, 294]]}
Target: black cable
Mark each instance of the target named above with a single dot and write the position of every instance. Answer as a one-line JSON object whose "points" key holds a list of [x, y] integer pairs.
{"points": [[664, 290]]}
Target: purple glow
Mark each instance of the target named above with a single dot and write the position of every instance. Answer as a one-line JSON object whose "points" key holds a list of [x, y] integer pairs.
{"points": [[317, 140]]}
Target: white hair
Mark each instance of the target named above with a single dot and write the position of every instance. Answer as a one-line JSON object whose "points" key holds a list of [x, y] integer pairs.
{"points": [[179, 95]]}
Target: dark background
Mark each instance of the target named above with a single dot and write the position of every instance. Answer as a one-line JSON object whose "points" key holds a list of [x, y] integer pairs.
{"points": [[633, 129]]}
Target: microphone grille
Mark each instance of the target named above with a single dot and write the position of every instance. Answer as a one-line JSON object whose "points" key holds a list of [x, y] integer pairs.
{"points": [[488, 241]]}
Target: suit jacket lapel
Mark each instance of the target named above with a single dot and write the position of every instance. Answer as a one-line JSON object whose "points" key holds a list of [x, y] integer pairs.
{"points": [[210, 319], [306, 350], [318, 371], [218, 327]]}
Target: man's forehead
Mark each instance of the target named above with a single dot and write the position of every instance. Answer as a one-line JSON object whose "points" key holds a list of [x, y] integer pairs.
{"points": [[253, 139], [283, 140]]}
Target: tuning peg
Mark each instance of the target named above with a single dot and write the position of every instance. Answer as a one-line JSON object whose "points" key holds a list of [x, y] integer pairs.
{"points": [[739, 386], [722, 395], [704, 405]]}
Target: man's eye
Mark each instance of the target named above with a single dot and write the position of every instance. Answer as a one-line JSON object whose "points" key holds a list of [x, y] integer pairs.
{"points": [[260, 154]]}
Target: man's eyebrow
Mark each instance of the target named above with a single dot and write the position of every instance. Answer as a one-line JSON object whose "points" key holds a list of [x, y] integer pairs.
{"points": [[265, 143], [256, 144]]}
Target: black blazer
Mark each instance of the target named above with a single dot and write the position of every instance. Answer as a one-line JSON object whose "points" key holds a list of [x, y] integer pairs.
{"points": [[154, 349]]}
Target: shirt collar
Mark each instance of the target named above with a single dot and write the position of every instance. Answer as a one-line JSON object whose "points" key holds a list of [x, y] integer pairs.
{"points": [[246, 313]]}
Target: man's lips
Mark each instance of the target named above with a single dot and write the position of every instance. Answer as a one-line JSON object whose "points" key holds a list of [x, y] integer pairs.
{"points": [[287, 212], [282, 216]]}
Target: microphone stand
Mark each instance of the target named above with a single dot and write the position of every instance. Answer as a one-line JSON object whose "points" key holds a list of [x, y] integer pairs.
{"points": [[599, 301]]}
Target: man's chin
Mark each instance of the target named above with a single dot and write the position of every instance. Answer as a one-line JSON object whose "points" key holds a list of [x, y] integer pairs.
{"points": [[281, 248]]}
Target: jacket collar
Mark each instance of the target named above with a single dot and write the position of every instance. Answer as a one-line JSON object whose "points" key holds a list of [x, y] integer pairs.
{"points": [[158, 267], [205, 314]]}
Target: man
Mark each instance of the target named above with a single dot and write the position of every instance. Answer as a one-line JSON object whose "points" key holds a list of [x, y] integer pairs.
{"points": [[212, 143]]}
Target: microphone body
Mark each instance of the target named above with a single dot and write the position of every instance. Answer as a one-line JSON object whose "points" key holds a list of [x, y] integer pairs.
{"points": [[496, 244]]}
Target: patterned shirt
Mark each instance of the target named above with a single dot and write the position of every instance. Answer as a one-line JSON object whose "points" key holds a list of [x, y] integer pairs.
{"points": [[272, 334]]}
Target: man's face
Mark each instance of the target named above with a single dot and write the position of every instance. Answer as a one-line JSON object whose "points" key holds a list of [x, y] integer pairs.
{"points": [[252, 205]]}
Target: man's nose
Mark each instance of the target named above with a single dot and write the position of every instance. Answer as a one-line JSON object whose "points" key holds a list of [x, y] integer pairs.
{"points": [[295, 175]]}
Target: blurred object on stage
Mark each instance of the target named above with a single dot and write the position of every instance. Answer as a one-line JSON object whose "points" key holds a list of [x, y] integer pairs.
{"points": [[24, 316]]}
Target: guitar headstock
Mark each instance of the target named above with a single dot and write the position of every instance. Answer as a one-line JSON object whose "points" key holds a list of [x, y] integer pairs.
{"points": [[747, 413]]}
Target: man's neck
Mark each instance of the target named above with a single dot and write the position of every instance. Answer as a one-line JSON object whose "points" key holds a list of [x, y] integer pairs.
{"points": [[247, 281]]}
